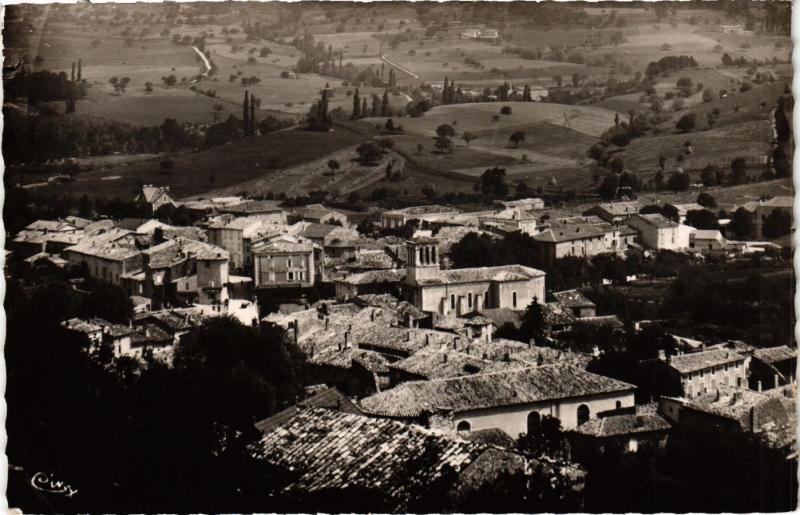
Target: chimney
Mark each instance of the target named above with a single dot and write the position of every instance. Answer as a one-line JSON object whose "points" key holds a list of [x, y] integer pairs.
{"points": [[469, 333], [408, 336], [327, 323], [506, 357], [427, 339], [456, 341], [639, 421], [662, 355], [777, 382], [595, 351], [409, 321], [444, 358], [759, 386], [531, 343], [346, 339], [295, 331], [339, 345], [754, 425]]}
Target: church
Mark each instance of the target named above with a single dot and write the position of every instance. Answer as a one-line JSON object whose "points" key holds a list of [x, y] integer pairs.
{"points": [[464, 290]]}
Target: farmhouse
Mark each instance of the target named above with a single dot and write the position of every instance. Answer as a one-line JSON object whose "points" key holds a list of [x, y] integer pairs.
{"points": [[660, 233], [707, 242], [153, 197], [318, 214], [614, 212], [461, 291], [627, 429], [513, 401], [582, 239]]}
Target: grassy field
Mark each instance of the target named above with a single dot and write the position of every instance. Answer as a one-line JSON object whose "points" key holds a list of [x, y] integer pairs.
{"points": [[215, 168], [717, 147], [478, 117]]}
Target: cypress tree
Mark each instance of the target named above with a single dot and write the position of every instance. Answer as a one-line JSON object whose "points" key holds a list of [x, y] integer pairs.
{"points": [[385, 105], [376, 108], [341, 68], [364, 108], [72, 77], [246, 112], [356, 106], [79, 70], [252, 115], [445, 91]]}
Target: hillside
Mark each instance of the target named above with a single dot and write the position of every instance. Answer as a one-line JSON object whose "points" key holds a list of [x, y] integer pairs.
{"points": [[215, 168]]}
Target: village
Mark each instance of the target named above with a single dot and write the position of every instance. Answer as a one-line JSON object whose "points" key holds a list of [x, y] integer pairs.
{"points": [[406, 345], [399, 257]]}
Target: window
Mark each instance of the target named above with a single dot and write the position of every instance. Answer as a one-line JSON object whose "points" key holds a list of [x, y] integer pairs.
{"points": [[534, 422], [583, 414], [514, 299], [469, 299], [486, 299], [619, 404], [289, 262], [463, 427], [290, 276], [452, 301]]}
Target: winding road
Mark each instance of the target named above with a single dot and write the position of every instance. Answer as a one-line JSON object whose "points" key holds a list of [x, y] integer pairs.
{"points": [[205, 60], [404, 70]]}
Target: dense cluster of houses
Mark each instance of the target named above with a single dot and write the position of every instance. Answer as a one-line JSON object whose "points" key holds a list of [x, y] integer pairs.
{"points": [[405, 347]]}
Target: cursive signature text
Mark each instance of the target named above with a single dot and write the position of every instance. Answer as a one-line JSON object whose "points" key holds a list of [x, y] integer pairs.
{"points": [[42, 481]]}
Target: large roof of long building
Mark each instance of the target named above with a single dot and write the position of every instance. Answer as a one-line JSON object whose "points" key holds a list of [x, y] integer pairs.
{"points": [[503, 273], [328, 449], [423, 210], [563, 233], [658, 221], [114, 244], [482, 391], [178, 249], [775, 354], [695, 361], [621, 208]]}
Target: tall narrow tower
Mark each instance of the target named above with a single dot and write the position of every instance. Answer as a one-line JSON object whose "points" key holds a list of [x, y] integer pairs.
{"points": [[422, 260]]}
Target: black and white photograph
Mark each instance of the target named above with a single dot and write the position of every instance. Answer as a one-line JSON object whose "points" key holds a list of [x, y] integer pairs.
{"points": [[399, 257]]}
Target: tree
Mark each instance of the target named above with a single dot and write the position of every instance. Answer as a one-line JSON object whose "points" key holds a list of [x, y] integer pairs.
{"points": [[742, 224], [738, 173], [517, 137], [616, 164], [443, 144], [558, 79], [778, 223], [369, 153], [709, 177], [493, 182], [727, 60], [679, 181], [707, 200], [533, 322], [356, 106], [468, 136], [109, 302], [365, 228], [702, 219], [385, 103], [333, 164], [708, 95], [506, 110], [608, 188], [445, 130], [783, 128], [687, 122]]}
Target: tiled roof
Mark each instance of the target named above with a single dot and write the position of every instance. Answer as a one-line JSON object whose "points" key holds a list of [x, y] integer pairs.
{"points": [[694, 361], [151, 193], [377, 276], [114, 244], [502, 316], [81, 326], [423, 210], [706, 234], [329, 398], [483, 391], [284, 247], [563, 233], [504, 273], [387, 301], [573, 299], [555, 313], [775, 354], [491, 436], [657, 220], [622, 425], [621, 208], [344, 358], [439, 364], [318, 230], [328, 449], [179, 249]]}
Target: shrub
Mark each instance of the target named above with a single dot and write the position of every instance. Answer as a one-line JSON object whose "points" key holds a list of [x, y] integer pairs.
{"points": [[505, 110]]}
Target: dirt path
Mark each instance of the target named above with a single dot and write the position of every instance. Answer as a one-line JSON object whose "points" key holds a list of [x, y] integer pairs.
{"points": [[402, 69], [206, 62]]}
